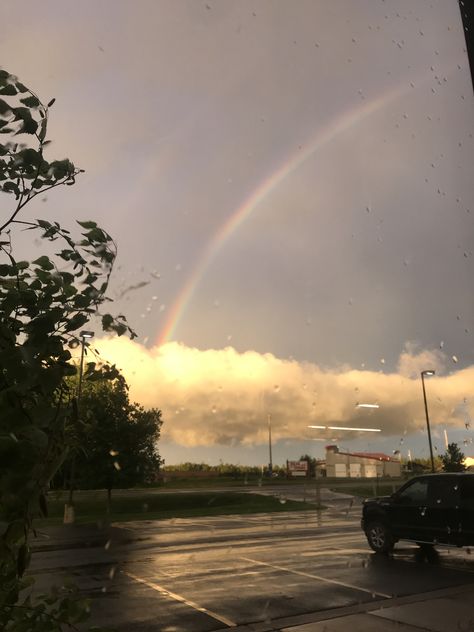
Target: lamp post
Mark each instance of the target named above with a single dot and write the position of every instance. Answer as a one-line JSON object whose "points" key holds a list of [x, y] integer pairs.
{"points": [[270, 463], [423, 375], [69, 514]]}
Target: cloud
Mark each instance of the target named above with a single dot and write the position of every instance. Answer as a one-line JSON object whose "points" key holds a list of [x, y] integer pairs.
{"points": [[411, 362], [223, 397]]}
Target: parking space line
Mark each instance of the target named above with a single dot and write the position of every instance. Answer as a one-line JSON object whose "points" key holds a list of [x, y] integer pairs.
{"points": [[187, 602], [323, 579]]}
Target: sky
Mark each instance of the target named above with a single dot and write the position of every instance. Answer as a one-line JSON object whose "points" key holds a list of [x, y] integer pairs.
{"points": [[290, 188]]}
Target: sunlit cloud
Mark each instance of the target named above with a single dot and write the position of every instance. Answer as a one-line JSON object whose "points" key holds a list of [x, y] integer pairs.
{"points": [[223, 397]]}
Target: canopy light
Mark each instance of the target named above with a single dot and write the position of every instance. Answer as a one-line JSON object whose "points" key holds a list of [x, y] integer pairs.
{"points": [[344, 428], [367, 406], [429, 372], [356, 429], [87, 334]]}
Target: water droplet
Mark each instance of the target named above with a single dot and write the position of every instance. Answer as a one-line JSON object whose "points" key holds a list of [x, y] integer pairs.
{"points": [[112, 572], [441, 344], [162, 308], [455, 359], [107, 545], [214, 410], [382, 360], [282, 500], [117, 466]]}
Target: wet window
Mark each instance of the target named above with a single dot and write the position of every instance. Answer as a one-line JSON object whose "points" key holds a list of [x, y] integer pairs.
{"points": [[442, 492], [467, 492], [414, 494]]}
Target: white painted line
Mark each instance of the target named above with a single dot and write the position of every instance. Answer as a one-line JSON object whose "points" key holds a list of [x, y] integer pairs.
{"points": [[187, 602], [322, 579]]}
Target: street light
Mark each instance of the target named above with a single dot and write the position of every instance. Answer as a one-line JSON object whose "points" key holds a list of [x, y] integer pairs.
{"points": [[423, 374], [270, 463], [69, 516]]}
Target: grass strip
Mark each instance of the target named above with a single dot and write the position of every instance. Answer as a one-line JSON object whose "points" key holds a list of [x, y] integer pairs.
{"points": [[92, 506]]}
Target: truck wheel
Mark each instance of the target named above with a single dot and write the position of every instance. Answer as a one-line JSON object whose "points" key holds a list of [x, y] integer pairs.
{"points": [[379, 537]]}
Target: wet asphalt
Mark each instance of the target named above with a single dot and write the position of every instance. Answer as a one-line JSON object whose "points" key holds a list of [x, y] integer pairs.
{"points": [[263, 571]]}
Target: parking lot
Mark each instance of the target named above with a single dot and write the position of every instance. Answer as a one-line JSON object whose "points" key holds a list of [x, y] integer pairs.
{"points": [[264, 571]]}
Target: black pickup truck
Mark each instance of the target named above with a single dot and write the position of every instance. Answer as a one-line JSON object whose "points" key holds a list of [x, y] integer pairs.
{"points": [[429, 510]]}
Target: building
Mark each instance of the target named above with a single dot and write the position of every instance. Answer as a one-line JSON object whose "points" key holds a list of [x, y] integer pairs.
{"points": [[360, 464]]}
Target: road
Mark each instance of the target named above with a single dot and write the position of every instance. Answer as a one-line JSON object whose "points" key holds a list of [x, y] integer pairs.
{"points": [[266, 570]]}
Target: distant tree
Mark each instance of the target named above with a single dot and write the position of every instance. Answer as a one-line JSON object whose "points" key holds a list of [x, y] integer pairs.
{"points": [[117, 442], [311, 464], [453, 459], [419, 465]]}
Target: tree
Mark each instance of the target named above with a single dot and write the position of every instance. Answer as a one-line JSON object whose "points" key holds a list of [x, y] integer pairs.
{"points": [[453, 459], [43, 305], [312, 462], [117, 440]]}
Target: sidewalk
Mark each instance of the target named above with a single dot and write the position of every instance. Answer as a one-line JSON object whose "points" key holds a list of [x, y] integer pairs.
{"points": [[447, 610], [77, 536]]}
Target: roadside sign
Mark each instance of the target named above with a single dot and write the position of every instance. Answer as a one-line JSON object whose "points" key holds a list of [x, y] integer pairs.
{"points": [[297, 468]]}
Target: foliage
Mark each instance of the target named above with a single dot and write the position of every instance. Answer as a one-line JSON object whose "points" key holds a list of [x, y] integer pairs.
{"points": [[48, 612], [117, 439], [453, 459], [222, 469], [43, 305], [312, 462]]}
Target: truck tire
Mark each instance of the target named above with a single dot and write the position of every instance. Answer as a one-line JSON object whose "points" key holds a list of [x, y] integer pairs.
{"points": [[379, 537]]}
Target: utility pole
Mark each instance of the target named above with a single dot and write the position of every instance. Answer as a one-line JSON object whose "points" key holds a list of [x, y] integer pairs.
{"points": [[270, 463]]}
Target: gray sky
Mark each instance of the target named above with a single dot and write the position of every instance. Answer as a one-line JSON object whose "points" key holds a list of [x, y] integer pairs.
{"points": [[289, 178]]}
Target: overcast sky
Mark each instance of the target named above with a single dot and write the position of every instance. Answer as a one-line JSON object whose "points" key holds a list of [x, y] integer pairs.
{"points": [[290, 187]]}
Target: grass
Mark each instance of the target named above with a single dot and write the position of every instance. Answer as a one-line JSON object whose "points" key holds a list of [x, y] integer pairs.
{"points": [[368, 491], [140, 505]]}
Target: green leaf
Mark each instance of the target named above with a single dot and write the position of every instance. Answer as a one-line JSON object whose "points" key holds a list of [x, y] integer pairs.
{"points": [[9, 90], [31, 101], [87, 225], [43, 223], [4, 107], [78, 320], [107, 321], [11, 187], [44, 262], [29, 126]]}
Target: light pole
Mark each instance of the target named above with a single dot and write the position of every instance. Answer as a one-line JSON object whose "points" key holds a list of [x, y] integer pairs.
{"points": [[423, 374], [270, 463], [69, 514]]}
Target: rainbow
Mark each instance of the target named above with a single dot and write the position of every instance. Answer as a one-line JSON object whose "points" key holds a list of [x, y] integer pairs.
{"points": [[335, 128]]}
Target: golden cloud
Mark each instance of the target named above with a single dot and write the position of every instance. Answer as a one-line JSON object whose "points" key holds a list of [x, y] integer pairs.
{"points": [[223, 397]]}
